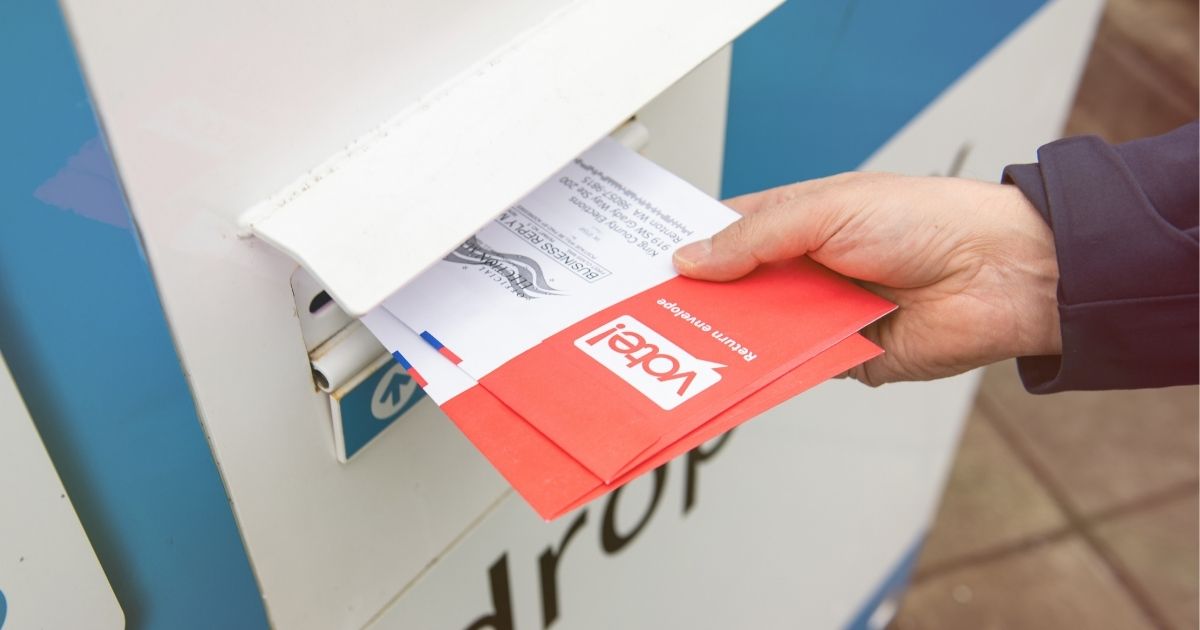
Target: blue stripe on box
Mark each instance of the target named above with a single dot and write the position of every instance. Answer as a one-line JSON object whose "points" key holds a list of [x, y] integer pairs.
{"points": [[817, 87], [889, 592], [126, 443]]}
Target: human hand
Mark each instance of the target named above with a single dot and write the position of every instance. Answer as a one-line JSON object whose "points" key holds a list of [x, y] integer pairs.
{"points": [[971, 264]]}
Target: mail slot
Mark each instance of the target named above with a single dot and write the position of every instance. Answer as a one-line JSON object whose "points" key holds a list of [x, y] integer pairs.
{"points": [[345, 356], [286, 169]]}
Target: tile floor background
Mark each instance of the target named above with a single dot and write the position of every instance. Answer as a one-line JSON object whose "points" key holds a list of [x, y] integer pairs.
{"points": [[1079, 510]]}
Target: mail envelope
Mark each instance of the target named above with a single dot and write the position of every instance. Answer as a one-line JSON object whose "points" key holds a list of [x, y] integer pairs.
{"points": [[546, 476], [646, 371]]}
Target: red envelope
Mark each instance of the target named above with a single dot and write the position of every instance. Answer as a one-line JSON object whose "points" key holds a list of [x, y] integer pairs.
{"points": [[553, 482], [620, 385]]}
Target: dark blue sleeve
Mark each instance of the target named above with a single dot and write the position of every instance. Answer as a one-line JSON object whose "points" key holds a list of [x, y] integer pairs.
{"points": [[1125, 226]]}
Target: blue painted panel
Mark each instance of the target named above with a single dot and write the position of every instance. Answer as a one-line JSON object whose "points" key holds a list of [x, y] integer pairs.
{"points": [[82, 330], [819, 85]]}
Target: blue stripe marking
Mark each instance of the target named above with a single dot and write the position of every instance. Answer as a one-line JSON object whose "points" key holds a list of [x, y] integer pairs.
{"points": [[401, 360], [431, 340], [818, 86], [892, 586], [125, 442]]}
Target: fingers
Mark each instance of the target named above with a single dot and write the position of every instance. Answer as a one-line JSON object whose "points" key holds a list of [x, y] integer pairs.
{"points": [[765, 234], [878, 371], [866, 373], [776, 224], [882, 369], [749, 203]]}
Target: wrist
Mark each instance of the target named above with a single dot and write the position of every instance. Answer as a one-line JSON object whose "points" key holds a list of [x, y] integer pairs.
{"points": [[1033, 260]]}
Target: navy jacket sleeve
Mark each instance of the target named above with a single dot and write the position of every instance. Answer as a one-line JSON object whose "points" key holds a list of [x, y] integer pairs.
{"points": [[1125, 226]]}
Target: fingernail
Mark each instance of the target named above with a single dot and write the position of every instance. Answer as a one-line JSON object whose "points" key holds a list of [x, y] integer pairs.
{"points": [[693, 253]]}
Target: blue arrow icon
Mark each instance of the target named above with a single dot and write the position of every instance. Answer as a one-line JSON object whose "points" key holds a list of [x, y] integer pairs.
{"points": [[393, 391], [389, 399]]}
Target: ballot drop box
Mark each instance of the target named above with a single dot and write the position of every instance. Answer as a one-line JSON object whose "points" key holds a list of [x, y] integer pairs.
{"points": [[224, 187]]}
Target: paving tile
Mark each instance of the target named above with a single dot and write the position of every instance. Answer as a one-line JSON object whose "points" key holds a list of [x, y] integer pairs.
{"points": [[1162, 31], [991, 500], [1119, 101], [1141, 77], [1158, 547], [1103, 449], [1051, 587]]}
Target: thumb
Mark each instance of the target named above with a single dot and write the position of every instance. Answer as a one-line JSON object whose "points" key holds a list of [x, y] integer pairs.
{"points": [[775, 233]]}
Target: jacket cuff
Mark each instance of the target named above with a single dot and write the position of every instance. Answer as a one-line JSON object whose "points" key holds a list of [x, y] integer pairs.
{"points": [[1127, 278], [1119, 344]]}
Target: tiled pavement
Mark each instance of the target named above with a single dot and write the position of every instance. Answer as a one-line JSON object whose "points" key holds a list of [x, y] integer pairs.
{"points": [[1079, 510], [1074, 510]]}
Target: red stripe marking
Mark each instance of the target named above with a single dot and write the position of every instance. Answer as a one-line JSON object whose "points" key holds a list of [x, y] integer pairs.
{"points": [[418, 378], [449, 355]]}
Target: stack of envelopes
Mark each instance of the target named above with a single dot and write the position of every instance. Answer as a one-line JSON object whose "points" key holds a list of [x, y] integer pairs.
{"points": [[561, 342]]}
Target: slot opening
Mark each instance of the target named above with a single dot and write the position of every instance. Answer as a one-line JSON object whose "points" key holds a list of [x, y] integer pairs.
{"points": [[319, 301]]}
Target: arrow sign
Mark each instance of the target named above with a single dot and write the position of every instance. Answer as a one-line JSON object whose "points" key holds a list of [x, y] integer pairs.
{"points": [[389, 398]]}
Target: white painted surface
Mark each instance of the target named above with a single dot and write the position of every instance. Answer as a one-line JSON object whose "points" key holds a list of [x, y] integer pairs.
{"points": [[49, 575], [794, 522]]}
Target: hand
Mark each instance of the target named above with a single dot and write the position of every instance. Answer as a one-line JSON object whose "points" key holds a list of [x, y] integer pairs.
{"points": [[971, 264]]}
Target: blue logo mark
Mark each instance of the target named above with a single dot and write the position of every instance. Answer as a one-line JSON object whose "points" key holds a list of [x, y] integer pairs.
{"points": [[377, 402], [394, 393], [3, 609]]}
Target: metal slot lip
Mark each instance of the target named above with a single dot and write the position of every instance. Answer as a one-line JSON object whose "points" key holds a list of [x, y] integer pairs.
{"points": [[343, 356], [338, 346]]}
